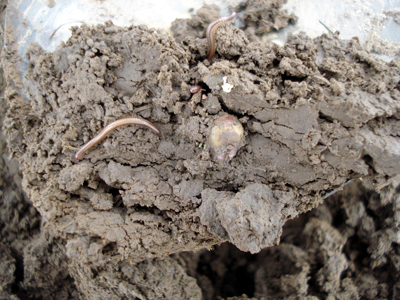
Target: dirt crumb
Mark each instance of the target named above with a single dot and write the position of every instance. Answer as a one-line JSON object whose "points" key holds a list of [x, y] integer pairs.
{"points": [[263, 17]]}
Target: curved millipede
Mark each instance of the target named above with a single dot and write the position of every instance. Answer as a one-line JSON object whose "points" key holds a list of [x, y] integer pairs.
{"points": [[110, 127], [211, 30]]}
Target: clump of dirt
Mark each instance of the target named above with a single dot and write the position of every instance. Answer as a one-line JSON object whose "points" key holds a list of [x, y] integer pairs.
{"points": [[315, 113], [263, 17], [344, 249]]}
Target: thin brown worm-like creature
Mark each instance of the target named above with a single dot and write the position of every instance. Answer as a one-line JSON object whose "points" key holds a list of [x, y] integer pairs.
{"points": [[211, 30], [110, 127]]}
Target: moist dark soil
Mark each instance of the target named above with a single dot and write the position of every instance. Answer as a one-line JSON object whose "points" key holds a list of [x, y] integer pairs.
{"points": [[143, 216]]}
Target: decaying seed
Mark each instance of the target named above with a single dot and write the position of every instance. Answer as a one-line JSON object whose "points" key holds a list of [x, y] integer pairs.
{"points": [[225, 138]]}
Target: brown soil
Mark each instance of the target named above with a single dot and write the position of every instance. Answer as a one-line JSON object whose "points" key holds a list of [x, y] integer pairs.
{"points": [[315, 113]]}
